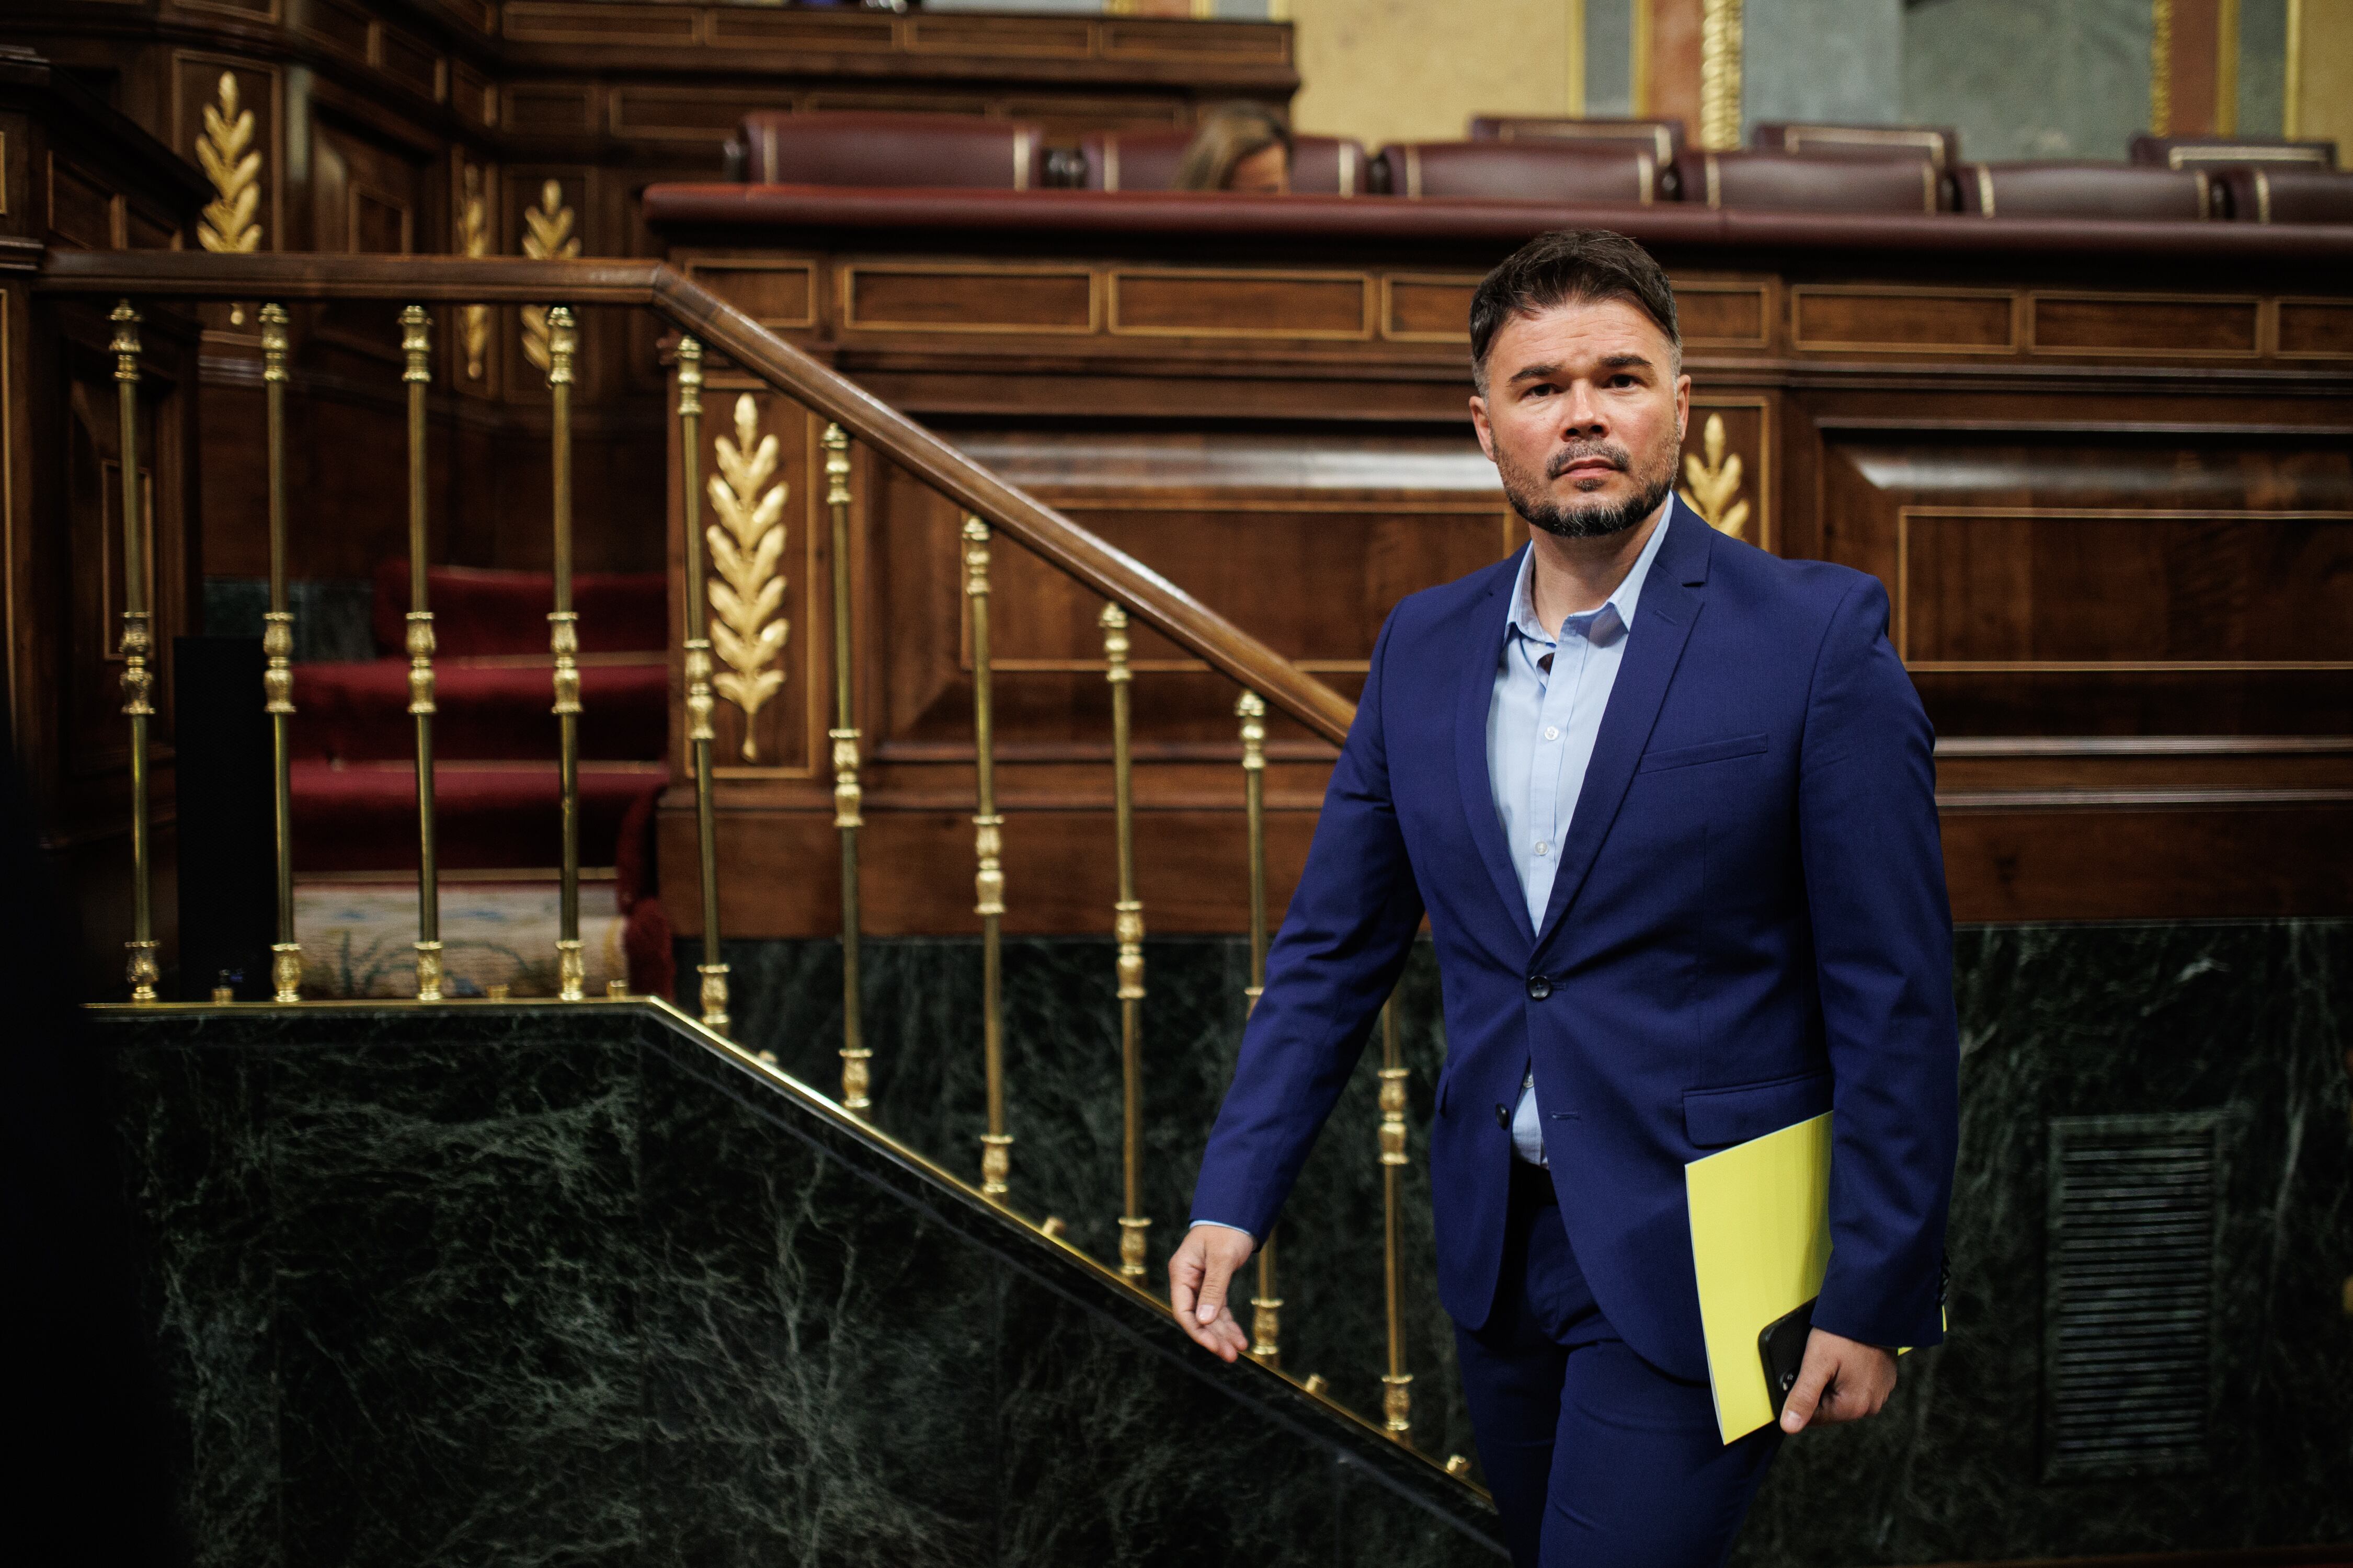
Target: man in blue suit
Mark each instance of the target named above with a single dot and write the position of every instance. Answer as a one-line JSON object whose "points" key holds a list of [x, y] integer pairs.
{"points": [[1668, 804]]}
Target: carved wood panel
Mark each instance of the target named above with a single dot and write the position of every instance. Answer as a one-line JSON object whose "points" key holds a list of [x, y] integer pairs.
{"points": [[2075, 587]]}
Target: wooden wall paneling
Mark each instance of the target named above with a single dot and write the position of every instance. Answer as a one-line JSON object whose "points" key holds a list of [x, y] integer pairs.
{"points": [[2115, 579], [2048, 588], [542, 109], [2144, 326], [1206, 302], [859, 37], [966, 297], [1859, 319], [781, 293], [1715, 314], [2314, 329], [701, 116], [611, 25], [2111, 859]]}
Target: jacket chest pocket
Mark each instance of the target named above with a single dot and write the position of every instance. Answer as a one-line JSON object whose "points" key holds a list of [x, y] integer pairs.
{"points": [[1725, 751]]}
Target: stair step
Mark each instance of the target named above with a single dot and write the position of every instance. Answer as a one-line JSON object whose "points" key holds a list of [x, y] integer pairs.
{"points": [[359, 712], [363, 817]]}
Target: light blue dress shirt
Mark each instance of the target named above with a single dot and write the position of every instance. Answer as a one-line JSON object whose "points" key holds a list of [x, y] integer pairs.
{"points": [[1551, 690]]}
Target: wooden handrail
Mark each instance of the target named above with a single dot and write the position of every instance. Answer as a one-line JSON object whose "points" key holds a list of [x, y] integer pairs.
{"points": [[1148, 596]]}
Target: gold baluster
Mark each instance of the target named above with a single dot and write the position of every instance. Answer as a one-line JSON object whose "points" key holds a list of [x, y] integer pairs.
{"points": [[1266, 1310], [1266, 1307], [698, 732], [417, 346], [1128, 917], [988, 884], [140, 967], [846, 794], [278, 647], [564, 642], [1397, 1395]]}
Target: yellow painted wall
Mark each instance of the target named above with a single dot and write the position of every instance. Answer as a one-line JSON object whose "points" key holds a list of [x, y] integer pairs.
{"points": [[2322, 49], [1416, 70]]}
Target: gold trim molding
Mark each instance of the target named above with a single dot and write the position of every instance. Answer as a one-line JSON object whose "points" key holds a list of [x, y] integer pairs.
{"points": [[1719, 74]]}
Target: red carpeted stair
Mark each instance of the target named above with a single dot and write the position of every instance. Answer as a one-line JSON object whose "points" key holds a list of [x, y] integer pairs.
{"points": [[495, 785]]}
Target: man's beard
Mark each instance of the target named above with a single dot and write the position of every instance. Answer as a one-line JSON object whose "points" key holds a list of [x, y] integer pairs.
{"points": [[1593, 522]]}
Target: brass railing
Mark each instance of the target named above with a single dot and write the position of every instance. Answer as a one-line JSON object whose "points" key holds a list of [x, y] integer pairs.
{"points": [[705, 323]]}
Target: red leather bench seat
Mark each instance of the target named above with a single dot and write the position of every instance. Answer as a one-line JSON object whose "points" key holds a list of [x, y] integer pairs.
{"points": [[2090, 191], [1940, 144], [1148, 160], [1524, 170], [2208, 152], [2288, 192], [1663, 138], [966, 151], [1789, 184]]}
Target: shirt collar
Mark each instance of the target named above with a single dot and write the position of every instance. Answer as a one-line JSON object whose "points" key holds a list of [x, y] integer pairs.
{"points": [[1621, 603]]}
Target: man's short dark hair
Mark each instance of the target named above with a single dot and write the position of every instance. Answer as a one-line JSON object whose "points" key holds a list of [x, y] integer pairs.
{"points": [[1569, 266]]}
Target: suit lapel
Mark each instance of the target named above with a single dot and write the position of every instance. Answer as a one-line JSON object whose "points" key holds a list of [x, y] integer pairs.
{"points": [[1483, 647], [1671, 603]]}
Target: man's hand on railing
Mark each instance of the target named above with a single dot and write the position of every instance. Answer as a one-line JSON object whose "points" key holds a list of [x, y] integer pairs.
{"points": [[1200, 1272]]}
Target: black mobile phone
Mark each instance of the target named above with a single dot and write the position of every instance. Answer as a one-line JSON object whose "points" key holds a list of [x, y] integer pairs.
{"points": [[1783, 1345]]}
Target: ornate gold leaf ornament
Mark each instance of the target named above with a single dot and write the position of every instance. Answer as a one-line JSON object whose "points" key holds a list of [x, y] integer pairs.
{"points": [[225, 148], [474, 240], [547, 237], [1715, 484], [747, 548]]}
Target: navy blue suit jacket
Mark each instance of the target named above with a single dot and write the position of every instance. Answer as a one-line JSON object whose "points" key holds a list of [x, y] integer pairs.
{"points": [[1749, 928]]}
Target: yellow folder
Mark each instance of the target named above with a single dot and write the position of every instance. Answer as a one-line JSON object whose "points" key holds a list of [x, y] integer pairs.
{"points": [[1760, 1243]]}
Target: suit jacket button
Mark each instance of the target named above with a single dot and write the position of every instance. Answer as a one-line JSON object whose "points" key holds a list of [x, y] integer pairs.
{"points": [[1539, 987], [1503, 1117]]}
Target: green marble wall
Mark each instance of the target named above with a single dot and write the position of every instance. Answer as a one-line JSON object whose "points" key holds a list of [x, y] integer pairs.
{"points": [[2250, 1019], [510, 1284], [515, 1284]]}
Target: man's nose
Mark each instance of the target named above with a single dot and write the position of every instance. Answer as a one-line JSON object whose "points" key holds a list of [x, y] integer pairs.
{"points": [[1581, 412]]}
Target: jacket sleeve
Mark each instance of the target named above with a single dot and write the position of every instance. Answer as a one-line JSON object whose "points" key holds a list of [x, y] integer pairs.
{"points": [[1338, 954], [1882, 938]]}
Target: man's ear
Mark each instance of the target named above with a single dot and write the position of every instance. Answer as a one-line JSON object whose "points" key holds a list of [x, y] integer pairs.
{"points": [[1479, 424], [1683, 407]]}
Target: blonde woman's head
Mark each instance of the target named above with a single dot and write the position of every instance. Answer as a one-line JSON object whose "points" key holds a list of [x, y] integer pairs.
{"points": [[1238, 147]]}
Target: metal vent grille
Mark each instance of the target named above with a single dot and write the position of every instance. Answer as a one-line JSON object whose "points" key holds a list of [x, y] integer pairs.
{"points": [[2129, 1276]]}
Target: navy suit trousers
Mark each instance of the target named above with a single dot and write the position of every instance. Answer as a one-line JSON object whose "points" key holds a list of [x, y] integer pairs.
{"points": [[1596, 1458]]}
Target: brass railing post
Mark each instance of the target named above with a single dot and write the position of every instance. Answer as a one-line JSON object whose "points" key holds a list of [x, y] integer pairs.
{"points": [[564, 642], [278, 647], [417, 347], [141, 967], [1128, 916], [1397, 1395], [698, 732], [1266, 1307], [846, 794], [988, 884]]}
